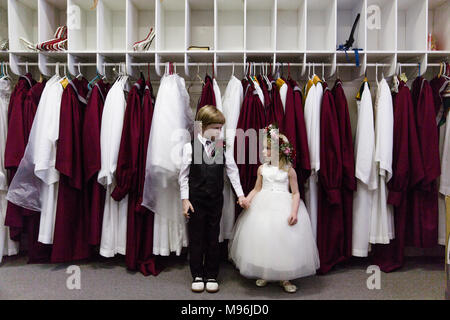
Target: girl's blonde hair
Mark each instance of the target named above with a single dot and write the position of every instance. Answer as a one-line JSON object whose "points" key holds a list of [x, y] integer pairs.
{"points": [[209, 114], [284, 163]]}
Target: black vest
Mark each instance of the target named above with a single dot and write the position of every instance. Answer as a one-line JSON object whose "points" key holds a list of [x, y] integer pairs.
{"points": [[205, 178]]}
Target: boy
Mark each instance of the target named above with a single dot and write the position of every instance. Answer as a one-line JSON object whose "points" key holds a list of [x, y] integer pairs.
{"points": [[201, 186]]}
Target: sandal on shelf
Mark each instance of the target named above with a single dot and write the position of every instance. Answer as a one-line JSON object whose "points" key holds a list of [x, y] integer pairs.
{"points": [[144, 45], [288, 286]]}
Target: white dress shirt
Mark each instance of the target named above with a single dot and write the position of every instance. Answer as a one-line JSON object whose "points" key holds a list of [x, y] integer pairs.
{"points": [[230, 166]]}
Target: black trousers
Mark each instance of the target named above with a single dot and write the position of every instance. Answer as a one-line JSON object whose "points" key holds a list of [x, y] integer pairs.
{"points": [[204, 229]]}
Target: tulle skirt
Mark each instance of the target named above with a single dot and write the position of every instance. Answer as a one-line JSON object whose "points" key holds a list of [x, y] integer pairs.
{"points": [[265, 246]]}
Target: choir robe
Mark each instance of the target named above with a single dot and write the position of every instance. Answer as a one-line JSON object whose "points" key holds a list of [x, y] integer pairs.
{"points": [[94, 191], [348, 163], [8, 247], [71, 233], [382, 221], [330, 217], [16, 142], [246, 152], [407, 172], [276, 113], [37, 252], [422, 227], [130, 175], [207, 96], [438, 85], [302, 163], [312, 123]]}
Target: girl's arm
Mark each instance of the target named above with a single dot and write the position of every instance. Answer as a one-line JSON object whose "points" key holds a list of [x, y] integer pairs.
{"points": [[257, 188], [295, 196]]}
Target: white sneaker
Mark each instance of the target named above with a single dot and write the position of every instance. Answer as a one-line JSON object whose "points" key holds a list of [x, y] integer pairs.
{"points": [[212, 285], [198, 285]]}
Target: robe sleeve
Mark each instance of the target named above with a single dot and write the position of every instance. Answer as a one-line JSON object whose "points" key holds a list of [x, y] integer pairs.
{"points": [[303, 161], [428, 134], [69, 145], [91, 134], [330, 173], [289, 119], [129, 147], [348, 159], [64, 150], [15, 140], [405, 147]]}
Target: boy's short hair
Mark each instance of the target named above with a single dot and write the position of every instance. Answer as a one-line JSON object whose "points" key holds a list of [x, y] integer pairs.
{"points": [[209, 114]]}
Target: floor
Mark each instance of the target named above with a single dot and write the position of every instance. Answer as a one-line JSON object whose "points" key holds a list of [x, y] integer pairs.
{"points": [[421, 278]]}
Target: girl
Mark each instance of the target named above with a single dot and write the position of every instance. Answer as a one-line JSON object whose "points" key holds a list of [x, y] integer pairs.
{"points": [[272, 238]]}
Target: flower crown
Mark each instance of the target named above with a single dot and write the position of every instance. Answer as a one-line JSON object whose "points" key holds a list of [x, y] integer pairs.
{"points": [[285, 147]]}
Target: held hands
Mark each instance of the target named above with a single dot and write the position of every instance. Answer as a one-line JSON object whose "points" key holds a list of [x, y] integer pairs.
{"points": [[292, 220], [187, 205], [243, 202]]}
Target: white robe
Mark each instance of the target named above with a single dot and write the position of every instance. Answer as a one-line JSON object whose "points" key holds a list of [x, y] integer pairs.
{"points": [[231, 102], [444, 140], [114, 226], [8, 247], [313, 105], [172, 127], [365, 172], [382, 223], [283, 95]]}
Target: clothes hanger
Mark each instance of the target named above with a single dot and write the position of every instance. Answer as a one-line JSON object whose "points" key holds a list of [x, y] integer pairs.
{"points": [[198, 75], [376, 73], [80, 75], [57, 70], [323, 72], [232, 70]]}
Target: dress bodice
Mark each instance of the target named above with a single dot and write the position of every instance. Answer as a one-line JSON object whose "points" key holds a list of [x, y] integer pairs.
{"points": [[274, 179]]}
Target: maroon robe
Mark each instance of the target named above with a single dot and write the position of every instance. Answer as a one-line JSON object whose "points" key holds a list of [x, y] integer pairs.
{"points": [[267, 102], [407, 172], [330, 216], [277, 112], [130, 176], [95, 192], [16, 142], [303, 163], [72, 221], [207, 96], [251, 117], [348, 163], [422, 227], [28, 221]]}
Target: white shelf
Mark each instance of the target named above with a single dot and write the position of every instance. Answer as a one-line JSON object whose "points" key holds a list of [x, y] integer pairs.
{"points": [[412, 25], [383, 39], [438, 23], [230, 25], [235, 30], [347, 11], [200, 23], [260, 23], [81, 25], [140, 18], [23, 22], [321, 25], [111, 25], [3, 19], [170, 25], [291, 25]]}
